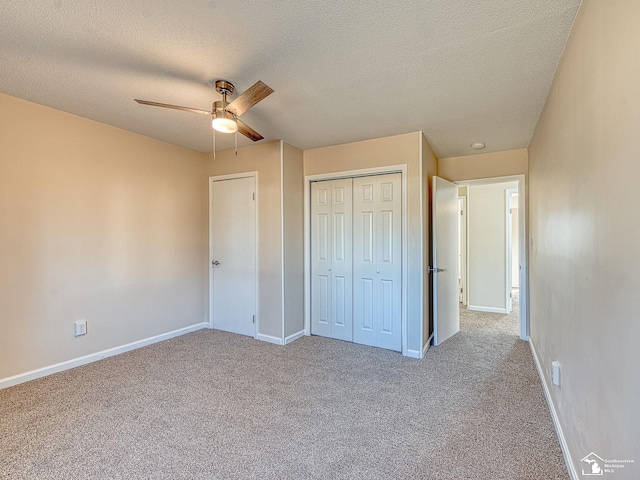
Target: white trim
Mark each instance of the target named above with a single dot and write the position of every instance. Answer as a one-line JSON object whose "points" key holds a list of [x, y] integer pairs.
{"points": [[405, 265], [554, 417], [402, 169], [94, 357], [307, 256], [257, 252], [364, 172], [233, 176], [508, 244], [467, 242], [412, 353], [523, 258], [487, 309], [464, 263], [293, 337], [269, 339], [422, 262], [523, 247]]}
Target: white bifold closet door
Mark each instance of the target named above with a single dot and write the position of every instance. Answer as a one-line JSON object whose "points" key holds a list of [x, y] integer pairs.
{"points": [[331, 265], [356, 260], [377, 253]]}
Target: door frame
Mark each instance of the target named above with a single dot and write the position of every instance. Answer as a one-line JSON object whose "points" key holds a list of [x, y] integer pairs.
{"points": [[464, 250], [218, 178], [509, 247], [365, 172], [523, 249]]}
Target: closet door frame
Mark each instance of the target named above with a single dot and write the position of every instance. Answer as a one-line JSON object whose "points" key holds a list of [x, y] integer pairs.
{"points": [[308, 179]]}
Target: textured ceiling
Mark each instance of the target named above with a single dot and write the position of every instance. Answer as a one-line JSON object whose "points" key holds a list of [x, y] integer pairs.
{"points": [[460, 70]]}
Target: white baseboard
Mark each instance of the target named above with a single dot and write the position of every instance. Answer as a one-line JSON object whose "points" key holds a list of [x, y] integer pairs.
{"points": [[554, 417], [487, 309], [93, 357], [413, 353], [294, 337], [269, 338]]}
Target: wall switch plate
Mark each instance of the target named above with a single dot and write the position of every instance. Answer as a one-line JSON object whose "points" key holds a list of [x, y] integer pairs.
{"points": [[79, 327], [555, 372]]}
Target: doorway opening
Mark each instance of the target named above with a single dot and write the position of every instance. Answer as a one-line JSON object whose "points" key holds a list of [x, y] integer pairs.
{"points": [[493, 253]]}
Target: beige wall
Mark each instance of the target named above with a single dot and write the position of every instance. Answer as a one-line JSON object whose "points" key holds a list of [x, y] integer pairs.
{"points": [[484, 165], [584, 262], [99, 224], [382, 152], [487, 246], [429, 169], [293, 208], [265, 159]]}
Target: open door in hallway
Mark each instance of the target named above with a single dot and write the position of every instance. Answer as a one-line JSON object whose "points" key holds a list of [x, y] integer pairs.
{"points": [[446, 313]]}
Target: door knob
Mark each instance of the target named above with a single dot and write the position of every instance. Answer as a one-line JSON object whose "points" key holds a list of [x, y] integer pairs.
{"points": [[436, 270], [215, 262], [329, 268]]}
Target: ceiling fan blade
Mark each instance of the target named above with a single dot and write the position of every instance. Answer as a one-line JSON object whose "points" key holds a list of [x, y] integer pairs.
{"points": [[248, 132], [249, 98], [175, 107]]}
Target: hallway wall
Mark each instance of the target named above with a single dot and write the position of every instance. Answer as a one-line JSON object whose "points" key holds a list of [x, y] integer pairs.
{"points": [[584, 230]]}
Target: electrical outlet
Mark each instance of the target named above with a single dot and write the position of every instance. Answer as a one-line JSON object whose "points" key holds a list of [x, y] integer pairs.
{"points": [[79, 327], [555, 372]]}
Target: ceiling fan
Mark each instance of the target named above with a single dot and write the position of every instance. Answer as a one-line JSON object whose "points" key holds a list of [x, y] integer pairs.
{"points": [[224, 115]]}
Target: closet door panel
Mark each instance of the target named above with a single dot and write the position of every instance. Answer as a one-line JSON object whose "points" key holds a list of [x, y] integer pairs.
{"points": [[341, 259], [377, 266], [331, 259], [321, 288]]}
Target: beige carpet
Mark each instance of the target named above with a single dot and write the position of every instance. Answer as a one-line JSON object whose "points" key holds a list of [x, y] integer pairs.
{"points": [[213, 405]]}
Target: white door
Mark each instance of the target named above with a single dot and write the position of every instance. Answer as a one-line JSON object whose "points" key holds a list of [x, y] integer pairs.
{"points": [[233, 254], [377, 257], [331, 264], [446, 310]]}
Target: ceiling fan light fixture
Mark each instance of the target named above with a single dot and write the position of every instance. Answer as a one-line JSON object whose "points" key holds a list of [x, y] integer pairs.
{"points": [[221, 120], [224, 124]]}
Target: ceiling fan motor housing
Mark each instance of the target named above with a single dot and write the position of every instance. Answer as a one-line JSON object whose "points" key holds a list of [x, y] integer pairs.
{"points": [[218, 110]]}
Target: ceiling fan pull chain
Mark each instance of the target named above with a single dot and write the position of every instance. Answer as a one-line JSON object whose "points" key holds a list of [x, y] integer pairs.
{"points": [[236, 135], [214, 143]]}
